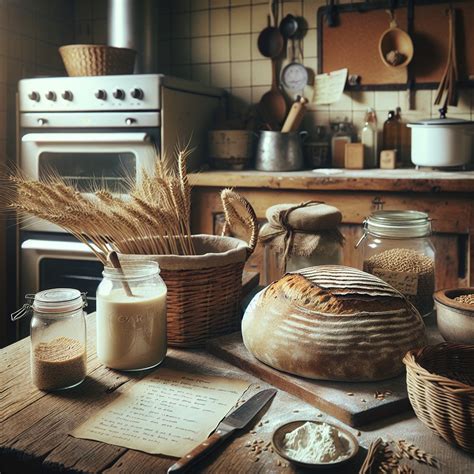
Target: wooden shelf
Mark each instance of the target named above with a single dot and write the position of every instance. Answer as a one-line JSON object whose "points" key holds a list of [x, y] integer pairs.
{"points": [[401, 180]]}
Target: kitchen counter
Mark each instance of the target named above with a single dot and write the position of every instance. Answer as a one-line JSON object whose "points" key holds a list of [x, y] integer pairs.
{"points": [[341, 179], [35, 425], [447, 196]]}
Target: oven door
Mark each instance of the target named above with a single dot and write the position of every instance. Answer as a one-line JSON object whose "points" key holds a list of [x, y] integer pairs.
{"points": [[88, 161], [59, 264]]}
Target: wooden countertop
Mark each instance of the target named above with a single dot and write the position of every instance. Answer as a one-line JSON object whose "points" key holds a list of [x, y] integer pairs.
{"points": [[399, 180], [35, 425]]}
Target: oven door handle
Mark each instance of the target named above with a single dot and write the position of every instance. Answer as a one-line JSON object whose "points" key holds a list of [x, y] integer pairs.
{"points": [[84, 138]]}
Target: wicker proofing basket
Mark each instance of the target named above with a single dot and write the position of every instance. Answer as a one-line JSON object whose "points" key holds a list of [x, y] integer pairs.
{"points": [[440, 380], [204, 290], [97, 60]]}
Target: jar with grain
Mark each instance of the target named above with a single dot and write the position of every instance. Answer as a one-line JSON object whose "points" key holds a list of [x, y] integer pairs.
{"points": [[396, 247], [58, 337], [131, 317]]}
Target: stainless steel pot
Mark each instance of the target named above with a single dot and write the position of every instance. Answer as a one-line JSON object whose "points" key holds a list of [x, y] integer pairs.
{"points": [[277, 151]]}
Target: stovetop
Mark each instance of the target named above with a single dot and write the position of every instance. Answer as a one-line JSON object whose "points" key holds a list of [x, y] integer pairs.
{"points": [[101, 93]]}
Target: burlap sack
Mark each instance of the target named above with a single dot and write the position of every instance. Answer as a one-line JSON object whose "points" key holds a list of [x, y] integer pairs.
{"points": [[302, 229]]}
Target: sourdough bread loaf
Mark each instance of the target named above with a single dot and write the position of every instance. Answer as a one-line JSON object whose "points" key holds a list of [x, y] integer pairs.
{"points": [[332, 323]]}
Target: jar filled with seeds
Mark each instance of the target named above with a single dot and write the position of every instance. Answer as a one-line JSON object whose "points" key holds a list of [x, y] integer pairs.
{"points": [[58, 337], [396, 247]]}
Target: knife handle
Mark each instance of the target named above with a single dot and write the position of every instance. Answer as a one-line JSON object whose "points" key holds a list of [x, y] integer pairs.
{"points": [[199, 451]]}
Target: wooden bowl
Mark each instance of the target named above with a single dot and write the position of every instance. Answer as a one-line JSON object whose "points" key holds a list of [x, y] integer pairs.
{"points": [[455, 319], [278, 439], [395, 39]]}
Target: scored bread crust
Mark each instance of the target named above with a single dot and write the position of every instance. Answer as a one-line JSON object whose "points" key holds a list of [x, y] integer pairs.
{"points": [[332, 323]]}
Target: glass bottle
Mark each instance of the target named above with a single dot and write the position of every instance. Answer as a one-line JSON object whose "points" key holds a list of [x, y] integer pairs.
{"points": [[369, 139], [396, 247], [131, 316], [342, 136], [58, 337], [391, 134], [405, 140]]}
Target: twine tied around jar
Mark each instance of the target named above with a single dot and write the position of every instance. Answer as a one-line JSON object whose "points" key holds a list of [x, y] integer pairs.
{"points": [[298, 230]]}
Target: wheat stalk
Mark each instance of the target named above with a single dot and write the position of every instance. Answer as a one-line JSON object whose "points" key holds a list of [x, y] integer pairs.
{"points": [[155, 221]]}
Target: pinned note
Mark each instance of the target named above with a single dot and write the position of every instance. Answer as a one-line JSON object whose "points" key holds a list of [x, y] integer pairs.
{"points": [[168, 412], [328, 87]]}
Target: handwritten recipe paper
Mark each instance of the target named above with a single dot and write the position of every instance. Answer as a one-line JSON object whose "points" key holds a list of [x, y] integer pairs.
{"points": [[328, 88], [168, 412]]}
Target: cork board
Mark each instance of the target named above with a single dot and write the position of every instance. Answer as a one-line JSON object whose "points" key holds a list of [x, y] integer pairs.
{"points": [[353, 43]]}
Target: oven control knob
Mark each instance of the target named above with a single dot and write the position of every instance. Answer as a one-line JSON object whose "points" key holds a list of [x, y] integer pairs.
{"points": [[51, 95], [34, 96], [130, 121], [42, 121], [67, 95], [119, 94], [101, 94], [137, 93]]}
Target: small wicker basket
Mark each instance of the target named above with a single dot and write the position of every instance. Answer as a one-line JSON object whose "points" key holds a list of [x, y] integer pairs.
{"points": [[440, 380], [204, 290], [97, 60]]}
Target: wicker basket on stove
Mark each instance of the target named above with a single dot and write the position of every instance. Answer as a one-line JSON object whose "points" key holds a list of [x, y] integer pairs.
{"points": [[97, 60], [204, 290], [440, 380]]}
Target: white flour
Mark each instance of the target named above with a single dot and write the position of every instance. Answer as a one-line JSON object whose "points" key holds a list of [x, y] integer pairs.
{"points": [[316, 443]]}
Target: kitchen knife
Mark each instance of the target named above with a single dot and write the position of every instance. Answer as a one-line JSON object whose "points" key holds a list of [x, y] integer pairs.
{"points": [[237, 420]]}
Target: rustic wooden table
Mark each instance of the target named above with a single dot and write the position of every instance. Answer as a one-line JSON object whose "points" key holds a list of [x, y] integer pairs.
{"points": [[35, 426]]}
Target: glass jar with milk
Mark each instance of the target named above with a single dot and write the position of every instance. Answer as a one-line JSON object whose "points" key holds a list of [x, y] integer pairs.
{"points": [[131, 317]]}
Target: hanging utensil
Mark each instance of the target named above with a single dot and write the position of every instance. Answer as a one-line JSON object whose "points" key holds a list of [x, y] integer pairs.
{"points": [[270, 43], [395, 45], [295, 116], [294, 75], [448, 83]]}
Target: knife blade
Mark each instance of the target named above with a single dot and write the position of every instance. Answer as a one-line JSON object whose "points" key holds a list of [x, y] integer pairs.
{"points": [[238, 419]]}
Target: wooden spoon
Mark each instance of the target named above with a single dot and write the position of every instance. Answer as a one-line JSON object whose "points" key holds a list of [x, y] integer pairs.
{"points": [[270, 44], [273, 104]]}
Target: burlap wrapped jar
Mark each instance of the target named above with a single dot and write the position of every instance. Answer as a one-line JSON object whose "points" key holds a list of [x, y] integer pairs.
{"points": [[299, 236]]}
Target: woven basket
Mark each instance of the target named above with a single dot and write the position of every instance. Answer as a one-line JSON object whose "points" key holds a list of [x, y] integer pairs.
{"points": [[97, 60], [204, 290], [440, 380]]}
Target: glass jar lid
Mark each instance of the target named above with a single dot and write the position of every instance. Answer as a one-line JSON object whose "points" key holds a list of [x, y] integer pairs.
{"points": [[399, 224], [132, 270], [58, 300]]}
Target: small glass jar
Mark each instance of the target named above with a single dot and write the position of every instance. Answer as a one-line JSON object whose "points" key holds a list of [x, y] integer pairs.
{"points": [[131, 316], [396, 247], [58, 338]]}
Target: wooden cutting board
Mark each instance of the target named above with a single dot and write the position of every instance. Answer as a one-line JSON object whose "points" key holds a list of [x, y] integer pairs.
{"points": [[357, 409]]}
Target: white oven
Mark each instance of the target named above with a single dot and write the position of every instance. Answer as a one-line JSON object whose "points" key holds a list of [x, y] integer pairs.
{"points": [[100, 131]]}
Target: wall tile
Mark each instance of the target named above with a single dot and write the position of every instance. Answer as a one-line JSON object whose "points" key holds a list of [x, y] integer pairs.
{"points": [[386, 100], [257, 93], [259, 17], [240, 47], [200, 50], [261, 73], [240, 20], [310, 48], [220, 49], [181, 25], [200, 23], [219, 3], [220, 75], [254, 52], [199, 4], [241, 74], [201, 73], [180, 51], [362, 100], [220, 21]]}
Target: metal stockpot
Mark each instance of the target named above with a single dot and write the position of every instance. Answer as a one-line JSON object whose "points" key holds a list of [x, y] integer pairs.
{"points": [[277, 151]]}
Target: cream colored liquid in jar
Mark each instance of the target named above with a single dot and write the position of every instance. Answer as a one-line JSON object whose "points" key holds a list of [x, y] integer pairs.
{"points": [[131, 330]]}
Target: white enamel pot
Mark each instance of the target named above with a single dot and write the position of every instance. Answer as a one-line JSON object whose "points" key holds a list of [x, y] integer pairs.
{"points": [[442, 142]]}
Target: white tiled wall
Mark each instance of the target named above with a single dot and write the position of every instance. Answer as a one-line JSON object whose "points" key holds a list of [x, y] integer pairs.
{"points": [[215, 41]]}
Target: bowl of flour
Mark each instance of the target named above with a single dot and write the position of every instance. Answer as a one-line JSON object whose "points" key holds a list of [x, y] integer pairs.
{"points": [[314, 443]]}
